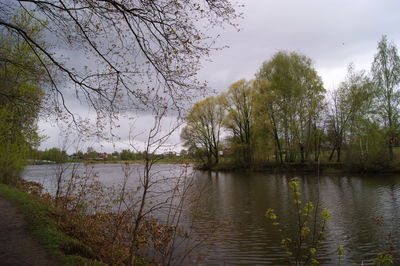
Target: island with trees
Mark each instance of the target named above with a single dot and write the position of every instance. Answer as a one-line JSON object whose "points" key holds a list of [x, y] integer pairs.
{"points": [[285, 118]]}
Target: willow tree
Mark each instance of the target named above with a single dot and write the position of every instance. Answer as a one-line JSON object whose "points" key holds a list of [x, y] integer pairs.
{"points": [[239, 120], [294, 96], [386, 75], [203, 129]]}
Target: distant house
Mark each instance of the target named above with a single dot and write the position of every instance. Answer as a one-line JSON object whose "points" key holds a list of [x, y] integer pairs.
{"points": [[103, 155], [224, 152]]}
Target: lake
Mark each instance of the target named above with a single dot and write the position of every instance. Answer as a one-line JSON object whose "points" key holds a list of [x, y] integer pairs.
{"points": [[230, 212]]}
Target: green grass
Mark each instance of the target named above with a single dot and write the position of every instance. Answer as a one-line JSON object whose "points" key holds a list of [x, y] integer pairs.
{"points": [[41, 219]]}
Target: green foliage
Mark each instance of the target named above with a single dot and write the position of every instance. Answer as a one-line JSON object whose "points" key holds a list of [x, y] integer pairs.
{"points": [[13, 149], [302, 247], [291, 97], [386, 76], [349, 116], [384, 259], [54, 154], [284, 116], [21, 77], [91, 153], [339, 254], [127, 155], [201, 134], [239, 120]]}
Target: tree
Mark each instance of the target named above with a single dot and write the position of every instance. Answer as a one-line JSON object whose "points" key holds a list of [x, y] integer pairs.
{"points": [[91, 153], [203, 129], [266, 123], [238, 102], [55, 155], [21, 78], [127, 155], [146, 53], [78, 155], [351, 106], [293, 94], [386, 76]]}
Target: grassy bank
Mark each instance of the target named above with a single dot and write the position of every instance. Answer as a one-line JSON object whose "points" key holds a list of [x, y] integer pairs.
{"points": [[42, 222]]}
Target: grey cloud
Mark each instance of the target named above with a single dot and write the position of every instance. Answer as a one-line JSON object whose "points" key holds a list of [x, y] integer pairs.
{"points": [[333, 33]]}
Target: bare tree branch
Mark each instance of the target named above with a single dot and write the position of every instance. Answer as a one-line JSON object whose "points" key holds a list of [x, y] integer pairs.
{"points": [[144, 51]]}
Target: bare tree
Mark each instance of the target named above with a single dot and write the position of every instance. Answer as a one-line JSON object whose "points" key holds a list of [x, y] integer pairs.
{"points": [[158, 191], [132, 54]]}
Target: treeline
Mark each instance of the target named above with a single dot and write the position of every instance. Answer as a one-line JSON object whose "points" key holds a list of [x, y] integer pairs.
{"points": [[286, 116], [57, 155]]}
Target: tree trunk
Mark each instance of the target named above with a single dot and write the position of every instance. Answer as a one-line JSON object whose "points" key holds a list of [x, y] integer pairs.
{"points": [[338, 150], [332, 152], [278, 146], [390, 146], [302, 153]]}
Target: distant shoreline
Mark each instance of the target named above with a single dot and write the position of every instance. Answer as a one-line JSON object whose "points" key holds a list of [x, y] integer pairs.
{"points": [[271, 167], [305, 168], [46, 162]]}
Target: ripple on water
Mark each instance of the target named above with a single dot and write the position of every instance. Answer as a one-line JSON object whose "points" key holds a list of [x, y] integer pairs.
{"points": [[232, 207]]}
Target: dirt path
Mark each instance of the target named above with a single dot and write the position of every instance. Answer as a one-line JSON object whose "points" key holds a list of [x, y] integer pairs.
{"points": [[17, 247]]}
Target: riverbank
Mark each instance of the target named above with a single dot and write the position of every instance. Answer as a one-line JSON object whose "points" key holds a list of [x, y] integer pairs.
{"points": [[135, 162], [42, 223], [78, 231], [309, 167], [32, 162], [326, 167]]}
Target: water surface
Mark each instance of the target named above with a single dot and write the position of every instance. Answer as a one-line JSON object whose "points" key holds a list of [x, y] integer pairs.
{"points": [[230, 212]]}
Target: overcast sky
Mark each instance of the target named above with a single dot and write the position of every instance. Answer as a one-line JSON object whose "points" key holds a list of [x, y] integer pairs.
{"points": [[333, 33]]}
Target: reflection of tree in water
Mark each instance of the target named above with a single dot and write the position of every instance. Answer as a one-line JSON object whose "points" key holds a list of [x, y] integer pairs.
{"points": [[356, 202], [229, 213], [242, 198]]}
